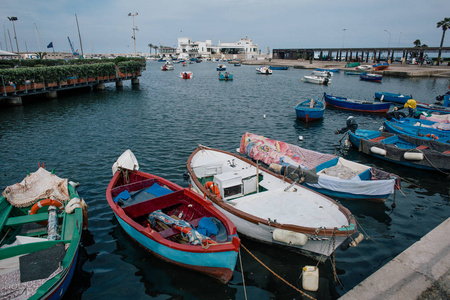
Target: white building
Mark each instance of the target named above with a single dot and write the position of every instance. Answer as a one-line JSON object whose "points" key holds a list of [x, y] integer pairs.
{"points": [[189, 49]]}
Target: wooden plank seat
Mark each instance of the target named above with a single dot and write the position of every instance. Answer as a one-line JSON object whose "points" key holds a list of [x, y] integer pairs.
{"points": [[377, 139], [143, 208], [19, 220], [135, 186], [422, 147]]}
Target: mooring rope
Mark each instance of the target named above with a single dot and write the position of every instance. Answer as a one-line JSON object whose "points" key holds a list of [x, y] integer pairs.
{"points": [[276, 275], [242, 273]]}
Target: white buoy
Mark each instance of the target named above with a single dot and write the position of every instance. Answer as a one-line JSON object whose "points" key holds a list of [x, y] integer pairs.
{"points": [[300, 137], [264, 116]]}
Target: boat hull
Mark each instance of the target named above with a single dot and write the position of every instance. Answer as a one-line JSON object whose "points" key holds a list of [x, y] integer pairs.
{"points": [[396, 98], [343, 103], [309, 114]]}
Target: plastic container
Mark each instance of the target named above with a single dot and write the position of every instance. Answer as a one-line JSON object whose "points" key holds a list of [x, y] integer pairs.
{"points": [[310, 278]]}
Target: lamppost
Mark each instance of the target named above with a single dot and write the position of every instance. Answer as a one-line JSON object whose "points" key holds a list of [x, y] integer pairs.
{"points": [[389, 44], [12, 19], [134, 31]]}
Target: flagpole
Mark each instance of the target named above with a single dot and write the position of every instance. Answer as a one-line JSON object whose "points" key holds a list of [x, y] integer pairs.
{"points": [[37, 37], [79, 35]]}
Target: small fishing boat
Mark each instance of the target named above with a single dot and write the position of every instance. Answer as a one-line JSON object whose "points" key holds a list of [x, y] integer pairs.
{"points": [[322, 73], [174, 223], [433, 108], [444, 118], [356, 105], [392, 97], [42, 219], [265, 70], [380, 66], [226, 76], [419, 128], [402, 149], [221, 68], [186, 75], [279, 68], [364, 67], [328, 174], [355, 73], [334, 70], [371, 77], [310, 110], [237, 64], [322, 80], [352, 64], [269, 207], [168, 66]]}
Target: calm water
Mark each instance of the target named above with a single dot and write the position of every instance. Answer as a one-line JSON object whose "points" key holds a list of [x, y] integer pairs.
{"points": [[162, 121]]}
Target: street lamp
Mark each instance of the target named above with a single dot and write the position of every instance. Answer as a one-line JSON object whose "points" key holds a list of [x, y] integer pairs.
{"points": [[389, 44], [343, 38], [12, 19], [134, 31]]}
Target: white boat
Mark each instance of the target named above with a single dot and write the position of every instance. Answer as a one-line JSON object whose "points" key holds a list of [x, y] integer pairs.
{"points": [[269, 207], [186, 75], [264, 70], [168, 66], [317, 79], [364, 67], [322, 74]]}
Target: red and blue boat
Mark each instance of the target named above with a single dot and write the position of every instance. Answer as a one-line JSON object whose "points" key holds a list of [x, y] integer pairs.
{"points": [[174, 223], [310, 110], [371, 77], [356, 105], [380, 66]]}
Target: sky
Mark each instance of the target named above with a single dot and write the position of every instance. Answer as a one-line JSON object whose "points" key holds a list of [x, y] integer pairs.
{"points": [[105, 26]]}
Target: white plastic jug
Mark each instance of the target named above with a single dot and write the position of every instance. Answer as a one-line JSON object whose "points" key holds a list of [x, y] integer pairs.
{"points": [[310, 278]]}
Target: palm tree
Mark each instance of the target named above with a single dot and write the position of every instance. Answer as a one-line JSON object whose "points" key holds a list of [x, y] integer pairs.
{"points": [[417, 43], [150, 46], [156, 48], [444, 24]]}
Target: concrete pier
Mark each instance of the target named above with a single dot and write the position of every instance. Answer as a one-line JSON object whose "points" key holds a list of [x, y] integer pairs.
{"points": [[119, 83], [135, 81], [420, 272]]}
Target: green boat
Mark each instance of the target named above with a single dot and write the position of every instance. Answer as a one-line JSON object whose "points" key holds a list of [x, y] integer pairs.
{"points": [[352, 65], [41, 223]]}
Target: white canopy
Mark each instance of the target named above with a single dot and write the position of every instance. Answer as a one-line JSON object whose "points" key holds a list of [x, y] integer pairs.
{"points": [[6, 53]]}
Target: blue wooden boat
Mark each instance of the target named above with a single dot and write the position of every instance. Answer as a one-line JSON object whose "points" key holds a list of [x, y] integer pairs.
{"points": [[328, 70], [425, 129], [355, 73], [433, 108], [356, 105], [237, 64], [328, 174], [392, 97], [310, 110], [402, 149], [226, 76], [41, 223], [279, 68], [380, 66], [371, 77], [174, 223]]}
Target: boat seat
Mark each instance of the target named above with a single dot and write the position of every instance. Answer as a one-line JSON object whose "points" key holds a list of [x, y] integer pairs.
{"points": [[447, 152], [422, 147], [20, 220], [377, 139], [131, 187], [143, 208]]}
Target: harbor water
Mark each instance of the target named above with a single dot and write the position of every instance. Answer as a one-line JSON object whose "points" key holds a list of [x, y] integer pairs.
{"points": [[162, 120]]}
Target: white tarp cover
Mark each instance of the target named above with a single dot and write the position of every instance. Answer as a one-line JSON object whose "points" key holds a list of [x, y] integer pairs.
{"points": [[38, 185]]}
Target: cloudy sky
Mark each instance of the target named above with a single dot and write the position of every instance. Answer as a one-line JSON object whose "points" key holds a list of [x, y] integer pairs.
{"points": [[106, 27]]}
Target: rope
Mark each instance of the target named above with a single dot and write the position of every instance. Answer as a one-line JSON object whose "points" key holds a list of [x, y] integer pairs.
{"points": [[276, 275], [242, 272]]}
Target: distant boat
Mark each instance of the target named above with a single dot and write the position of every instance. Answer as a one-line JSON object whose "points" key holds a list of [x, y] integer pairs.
{"points": [[364, 67], [226, 76], [380, 66], [433, 108], [334, 70], [168, 66], [355, 73], [402, 149], [357, 105], [221, 68], [186, 75], [237, 64], [279, 68], [310, 110], [317, 79], [352, 64], [264, 70], [371, 77], [392, 97]]}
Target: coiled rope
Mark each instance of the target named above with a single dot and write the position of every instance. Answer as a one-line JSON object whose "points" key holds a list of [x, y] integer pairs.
{"points": [[276, 275]]}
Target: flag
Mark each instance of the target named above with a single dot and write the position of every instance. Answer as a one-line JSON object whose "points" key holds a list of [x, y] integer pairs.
{"points": [[50, 45]]}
